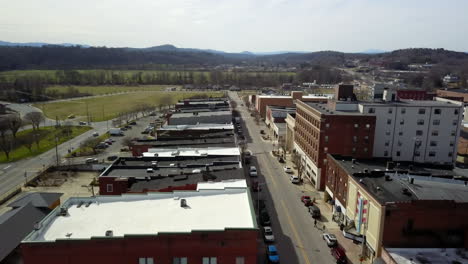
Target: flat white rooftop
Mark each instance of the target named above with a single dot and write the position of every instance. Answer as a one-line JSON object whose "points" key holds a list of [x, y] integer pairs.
{"points": [[192, 152], [240, 183], [198, 127], [148, 214]]}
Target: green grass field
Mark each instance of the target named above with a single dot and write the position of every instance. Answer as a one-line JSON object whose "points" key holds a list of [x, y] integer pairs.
{"points": [[47, 142], [106, 89], [108, 107]]}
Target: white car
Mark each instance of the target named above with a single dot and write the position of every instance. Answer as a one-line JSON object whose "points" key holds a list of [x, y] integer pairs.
{"points": [[253, 171], [288, 170], [91, 160], [268, 234], [330, 239], [295, 179]]}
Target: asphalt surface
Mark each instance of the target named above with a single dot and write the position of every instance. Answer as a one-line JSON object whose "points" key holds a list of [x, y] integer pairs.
{"points": [[297, 239]]}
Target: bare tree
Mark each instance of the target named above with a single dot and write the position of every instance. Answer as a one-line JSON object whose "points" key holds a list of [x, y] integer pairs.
{"points": [[6, 145], [91, 143], [35, 118], [4, 126], [233, 104], [14, 123], [127, 142], [297, 160], [27, 142]]}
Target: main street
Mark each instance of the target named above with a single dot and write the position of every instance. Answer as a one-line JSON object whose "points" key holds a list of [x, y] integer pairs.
{"points": [[297, 239]]}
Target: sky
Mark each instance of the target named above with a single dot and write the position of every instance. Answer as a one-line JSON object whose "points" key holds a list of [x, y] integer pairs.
{"points": [[240, 25]]}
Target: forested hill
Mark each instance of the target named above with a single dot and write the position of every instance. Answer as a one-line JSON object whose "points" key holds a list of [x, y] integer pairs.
{"points": [[76, 57]]}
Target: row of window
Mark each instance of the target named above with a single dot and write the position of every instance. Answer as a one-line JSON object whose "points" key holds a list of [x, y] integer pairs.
{"points": [[421, 111], [420, 133], [183, 260], [432, 143], [420, 122], [416, 153]]}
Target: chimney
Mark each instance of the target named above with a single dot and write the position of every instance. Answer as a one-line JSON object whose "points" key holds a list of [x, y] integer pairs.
{"points": [[183, 203]]}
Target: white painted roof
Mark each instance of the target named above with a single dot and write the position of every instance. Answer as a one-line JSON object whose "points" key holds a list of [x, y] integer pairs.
{"points": [[311, 96], [151, 213], [275, 96], [240, 183], [198, 127], [192, 152]]}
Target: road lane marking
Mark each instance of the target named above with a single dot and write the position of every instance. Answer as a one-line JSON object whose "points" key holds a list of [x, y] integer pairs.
{"points": [[296, 235]]}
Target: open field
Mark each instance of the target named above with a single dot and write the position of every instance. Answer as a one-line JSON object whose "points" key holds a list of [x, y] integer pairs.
{"points": [[47, 141], [105, 89], [108, 107]]}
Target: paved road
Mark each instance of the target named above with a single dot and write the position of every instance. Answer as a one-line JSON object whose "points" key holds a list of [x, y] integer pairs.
{"points": [[298, 240]]}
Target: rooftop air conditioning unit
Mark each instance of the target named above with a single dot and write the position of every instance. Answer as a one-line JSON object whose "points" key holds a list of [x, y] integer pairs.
{"points": [[109, 233], [183, 203]]}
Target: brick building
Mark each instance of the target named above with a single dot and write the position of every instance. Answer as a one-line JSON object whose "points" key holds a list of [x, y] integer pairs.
{"points": [[461, 94], [414, 95], [397, 205], [151, 228], [320, 130], [262, 101], [165, 170]]}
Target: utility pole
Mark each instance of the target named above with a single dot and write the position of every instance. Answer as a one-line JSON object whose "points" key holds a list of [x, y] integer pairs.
{"points": [[87, 112], [56, 150]]}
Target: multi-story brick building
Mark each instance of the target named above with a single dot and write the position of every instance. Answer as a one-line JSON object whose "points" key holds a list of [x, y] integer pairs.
{"points": [[149, 228], [322, 129], [397, 205]]}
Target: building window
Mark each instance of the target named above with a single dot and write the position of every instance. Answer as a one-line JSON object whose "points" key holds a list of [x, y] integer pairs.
{"points": [[387, 143], [326, 139], [353, 150], [110, 187], [422, 111], [450, 154], [366, 139], [402, 122], [179, 260], [399, 143], [435, 133], [325, 149], [451, 143], [387, 132], [436, 122], [354, 139], [210, 260], [453, 133], [420, 122], [365, 150], [145, 261], [327, 125], [367, 126], [419, 132], [403, 110], [389, 121], [390, 110], [356, 125], [455, 111], [371, 110], [437, 111], [240, 260], [400, 133], [385, 153], [433, 143], [455, 122], [398, 153], [417, 153], [431, 153]]}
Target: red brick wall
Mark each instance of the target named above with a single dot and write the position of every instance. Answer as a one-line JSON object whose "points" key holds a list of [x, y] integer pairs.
{"points": [[119, 187], [430, 221], [448, 93], [137, 150], [412, 94], [337, 180], [225, 245], [263, 102]]}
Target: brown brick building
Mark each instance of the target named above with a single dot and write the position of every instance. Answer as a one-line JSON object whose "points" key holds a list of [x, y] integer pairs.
{"points": [[320, 130]]}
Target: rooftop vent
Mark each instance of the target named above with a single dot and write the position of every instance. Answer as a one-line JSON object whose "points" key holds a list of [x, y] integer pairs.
{"points": [[183, 203], [109, 233], [63, 211], [37, 226]]}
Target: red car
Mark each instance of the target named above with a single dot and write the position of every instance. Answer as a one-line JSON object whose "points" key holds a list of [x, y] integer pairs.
{"points": [[306, 200]]}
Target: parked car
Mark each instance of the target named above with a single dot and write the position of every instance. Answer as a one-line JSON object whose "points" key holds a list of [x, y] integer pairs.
{"points": [[133, 123], [71, 116], [82, 123], [264, 218], [339, 254], [268, 234], [306, 200], [102, 145], [128, 127], [123, 128], [145, 132], [255, 186], [281, 160], [314, 211], [272, 254], [95, 134], [295, 179], [288, 170], [108, 141], [253, 171], [261, 204], [330, 239], [262, 132], [91, 160], [112, 158]]}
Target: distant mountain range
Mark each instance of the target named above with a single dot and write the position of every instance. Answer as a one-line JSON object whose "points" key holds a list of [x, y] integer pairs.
{"points": [[172, 48]]}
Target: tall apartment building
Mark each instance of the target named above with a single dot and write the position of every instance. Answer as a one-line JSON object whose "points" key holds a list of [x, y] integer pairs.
{"points": [[320, 130], [406, 130], [416, 131]]}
